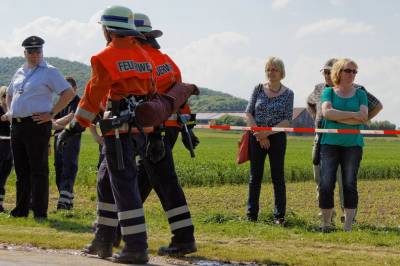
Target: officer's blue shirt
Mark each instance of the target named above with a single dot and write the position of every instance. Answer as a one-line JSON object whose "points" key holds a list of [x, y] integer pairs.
{"points": [[32, 89]]}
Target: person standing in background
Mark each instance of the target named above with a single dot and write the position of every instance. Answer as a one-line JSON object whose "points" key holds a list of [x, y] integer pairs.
{"points": [[30, 105], [344, 106], [271, 105], [6, 160], [314, 108], [66, 158]]}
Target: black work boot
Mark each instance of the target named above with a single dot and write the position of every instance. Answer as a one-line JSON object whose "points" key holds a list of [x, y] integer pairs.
{"points": [[130, 256], [98, 247], [177, 249], [64, 206]]}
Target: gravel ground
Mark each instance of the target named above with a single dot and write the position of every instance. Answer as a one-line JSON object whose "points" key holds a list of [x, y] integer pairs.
{"points": [[11, 255]]}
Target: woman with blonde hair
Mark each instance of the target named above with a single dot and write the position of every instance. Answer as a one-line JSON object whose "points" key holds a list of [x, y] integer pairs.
{"points": [[343, 106], [270, 105]]}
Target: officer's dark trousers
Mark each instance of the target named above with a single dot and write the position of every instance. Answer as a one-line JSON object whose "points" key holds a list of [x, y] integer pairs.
{"points": [[66, 166], [29, 143], [118, 196], [162, 177], [6, 162], [276, 154]]}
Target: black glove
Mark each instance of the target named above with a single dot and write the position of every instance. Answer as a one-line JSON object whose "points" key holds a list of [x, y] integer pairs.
{"points": [[192, 136], [192, 121], [70, 130], [155, 148]]}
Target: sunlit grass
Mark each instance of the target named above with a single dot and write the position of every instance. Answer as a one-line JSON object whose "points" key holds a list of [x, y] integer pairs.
{"points": [[218, 210]]}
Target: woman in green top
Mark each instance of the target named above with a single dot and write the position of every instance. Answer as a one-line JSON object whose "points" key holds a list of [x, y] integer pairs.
{"points": [[343, 106]]}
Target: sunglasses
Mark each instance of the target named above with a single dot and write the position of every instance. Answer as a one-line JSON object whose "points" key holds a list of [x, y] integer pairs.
{"points": [[34, 50], [349, 71], [3, 96]]}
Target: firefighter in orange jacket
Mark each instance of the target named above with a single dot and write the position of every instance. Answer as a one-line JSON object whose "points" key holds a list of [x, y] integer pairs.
{"points": [[124, 73], [156, 167]]}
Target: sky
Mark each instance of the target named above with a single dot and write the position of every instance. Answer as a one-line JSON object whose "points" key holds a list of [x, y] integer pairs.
{"points": [[224, 44]]}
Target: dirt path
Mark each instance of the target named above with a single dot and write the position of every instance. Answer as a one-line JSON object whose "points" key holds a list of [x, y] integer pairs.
{"points": [[11, 255]]}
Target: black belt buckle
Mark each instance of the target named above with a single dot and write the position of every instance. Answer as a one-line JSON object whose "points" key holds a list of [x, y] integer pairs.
{"points": [[22, 119]]}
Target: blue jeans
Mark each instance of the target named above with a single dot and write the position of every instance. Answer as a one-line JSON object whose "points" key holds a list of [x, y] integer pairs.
{"points": [[276, 153], [66, 166], [349, 159]]}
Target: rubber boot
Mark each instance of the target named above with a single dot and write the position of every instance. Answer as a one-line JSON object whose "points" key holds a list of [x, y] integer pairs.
{"points": [[130, 256], [177, 249], [99, 247]]}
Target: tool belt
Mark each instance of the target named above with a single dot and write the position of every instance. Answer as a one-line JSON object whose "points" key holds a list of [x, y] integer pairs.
{"points": [[118, 107], [121, 115]]}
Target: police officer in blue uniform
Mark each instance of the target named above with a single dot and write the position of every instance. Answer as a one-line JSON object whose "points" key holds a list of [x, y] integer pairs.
{"points": [[30, 107], [66, 159]]}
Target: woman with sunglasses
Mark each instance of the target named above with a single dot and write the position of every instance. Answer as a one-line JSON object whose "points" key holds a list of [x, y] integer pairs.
{"points": [[314, 108], [344, 106]]}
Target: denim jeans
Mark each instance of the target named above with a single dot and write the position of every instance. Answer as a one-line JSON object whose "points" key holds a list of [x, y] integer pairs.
{"points": [[276, 153], [349, 159], [317, 171], [66, 166]]}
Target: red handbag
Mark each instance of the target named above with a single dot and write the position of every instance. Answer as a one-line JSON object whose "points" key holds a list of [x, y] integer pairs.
{"points": [[243, 152]]}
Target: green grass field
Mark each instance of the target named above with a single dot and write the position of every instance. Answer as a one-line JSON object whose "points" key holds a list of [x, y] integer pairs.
{"points": [[216, 190], [215, 161]]}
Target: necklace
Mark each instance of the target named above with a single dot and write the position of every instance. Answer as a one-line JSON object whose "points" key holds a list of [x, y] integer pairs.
{"points": [[275, 91]]}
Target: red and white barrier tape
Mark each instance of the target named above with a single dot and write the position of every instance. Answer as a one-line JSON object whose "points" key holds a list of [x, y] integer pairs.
{"points": [[302, 130]]}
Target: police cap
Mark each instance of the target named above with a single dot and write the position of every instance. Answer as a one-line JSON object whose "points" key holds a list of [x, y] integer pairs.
{"points": [[33, 42]]}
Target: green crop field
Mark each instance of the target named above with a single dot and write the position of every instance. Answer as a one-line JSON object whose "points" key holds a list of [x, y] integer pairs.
{"points": [[216, 188], [215, 161]]}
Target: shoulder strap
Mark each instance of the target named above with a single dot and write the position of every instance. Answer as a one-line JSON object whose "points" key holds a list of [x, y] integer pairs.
{"points": [[26, 79], [260, 87], [257, 91]]}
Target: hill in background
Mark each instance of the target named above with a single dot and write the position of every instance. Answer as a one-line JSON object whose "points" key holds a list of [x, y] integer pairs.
{"points": [[208, 101], [79, 71], [215, 101]]}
